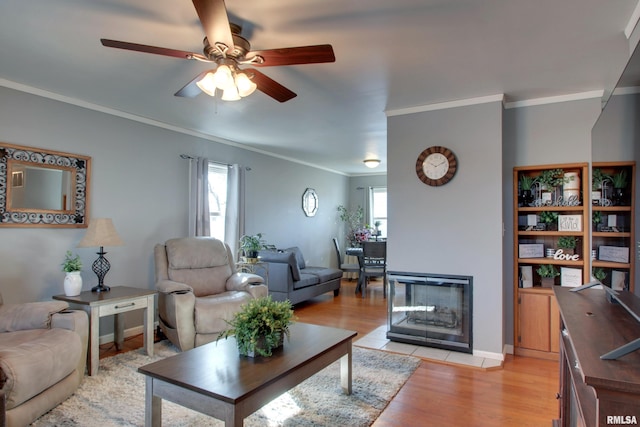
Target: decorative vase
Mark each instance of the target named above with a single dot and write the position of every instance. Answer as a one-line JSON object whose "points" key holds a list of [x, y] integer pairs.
{"points": [[72, 284], [526, 197], [618, 197]]}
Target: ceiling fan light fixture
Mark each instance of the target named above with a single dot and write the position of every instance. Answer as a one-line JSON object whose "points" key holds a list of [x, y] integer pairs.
{"points": [[371, 163], [230, 94], [207, 84], [223, 77], [244, 84]]}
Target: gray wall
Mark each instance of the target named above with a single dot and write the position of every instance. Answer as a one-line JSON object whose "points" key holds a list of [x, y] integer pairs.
{"points": [[139, 180], [540, 135], [456, 228]]}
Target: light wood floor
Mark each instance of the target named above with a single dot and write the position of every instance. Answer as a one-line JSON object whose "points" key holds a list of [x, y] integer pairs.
{"points": [[521, 394]]}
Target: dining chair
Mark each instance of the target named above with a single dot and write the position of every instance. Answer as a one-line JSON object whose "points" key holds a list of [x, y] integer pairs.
{"points": [[374, 264], [345, 267]]}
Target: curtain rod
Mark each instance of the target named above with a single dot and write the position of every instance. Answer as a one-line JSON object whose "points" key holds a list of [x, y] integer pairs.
{"points": [[188, 157]]}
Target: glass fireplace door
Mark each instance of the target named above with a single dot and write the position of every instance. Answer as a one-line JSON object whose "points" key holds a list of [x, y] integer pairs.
{"points": [[431, 310]]}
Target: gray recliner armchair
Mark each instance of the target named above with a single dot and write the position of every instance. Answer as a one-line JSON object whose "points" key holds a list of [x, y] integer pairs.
{"points": [[200, 289], [43, 355]]}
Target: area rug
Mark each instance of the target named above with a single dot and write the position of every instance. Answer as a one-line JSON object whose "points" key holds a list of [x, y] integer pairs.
{"points": [[115, 396]]}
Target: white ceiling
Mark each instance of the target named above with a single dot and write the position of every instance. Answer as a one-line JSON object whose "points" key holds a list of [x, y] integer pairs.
{"points": [[390, 55]]}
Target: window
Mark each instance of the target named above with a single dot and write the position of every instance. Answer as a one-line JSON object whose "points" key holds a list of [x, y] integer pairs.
{"points": [[378, 211], [217, 199]]}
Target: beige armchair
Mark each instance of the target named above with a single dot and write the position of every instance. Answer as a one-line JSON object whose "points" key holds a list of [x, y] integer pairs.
{"points": [[199, 289], [43, 354]]}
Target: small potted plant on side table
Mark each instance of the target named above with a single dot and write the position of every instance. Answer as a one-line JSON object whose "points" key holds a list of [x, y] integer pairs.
{"points": [[260, 327], [250, 245], [72, 279], [547, 273]]}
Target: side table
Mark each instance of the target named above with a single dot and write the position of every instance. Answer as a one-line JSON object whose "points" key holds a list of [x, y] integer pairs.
{"points": [[254, 268], [120, 299]]}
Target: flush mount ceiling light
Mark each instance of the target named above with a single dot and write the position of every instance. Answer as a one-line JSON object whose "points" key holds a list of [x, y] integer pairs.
{"points": [[372, 163]]}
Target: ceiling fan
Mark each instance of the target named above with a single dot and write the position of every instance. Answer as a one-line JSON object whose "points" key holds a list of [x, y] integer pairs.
{"points": [[224, 46]]}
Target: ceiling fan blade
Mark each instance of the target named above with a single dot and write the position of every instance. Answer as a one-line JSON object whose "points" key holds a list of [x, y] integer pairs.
{"points": [[153, 49], [215, 22], [294, 55], [191, 90], [270, 87]]}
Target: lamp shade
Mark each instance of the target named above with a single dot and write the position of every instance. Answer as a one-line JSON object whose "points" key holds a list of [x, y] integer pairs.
{"points": [[100, 232]]}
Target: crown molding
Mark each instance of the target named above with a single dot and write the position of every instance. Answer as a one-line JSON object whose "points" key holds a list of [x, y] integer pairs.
{"points": [[445, 105], [555, 99]]}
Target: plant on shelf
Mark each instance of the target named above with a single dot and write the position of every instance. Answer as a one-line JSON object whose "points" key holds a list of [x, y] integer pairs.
{"points": [[597, 178], [547, 273], [526, 196], [549, 179], [596, 219], [567, 244], [260, 326], [598, 274], [549, 219], [619, 181], [251, 244], [71, 263]]}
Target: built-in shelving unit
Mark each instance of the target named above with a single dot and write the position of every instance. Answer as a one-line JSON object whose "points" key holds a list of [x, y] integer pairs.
{"points": [[554, 212]]}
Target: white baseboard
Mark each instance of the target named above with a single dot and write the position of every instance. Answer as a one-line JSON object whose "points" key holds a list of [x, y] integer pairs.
{"points": [[508, 349], [488, 355], [137, 330]]}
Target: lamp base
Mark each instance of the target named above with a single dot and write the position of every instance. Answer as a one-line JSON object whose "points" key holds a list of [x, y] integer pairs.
{"points": [[100, 288]]}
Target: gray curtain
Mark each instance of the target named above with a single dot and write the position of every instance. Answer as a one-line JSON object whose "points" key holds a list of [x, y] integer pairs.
{"points": [[234, 218], [199, 197]]}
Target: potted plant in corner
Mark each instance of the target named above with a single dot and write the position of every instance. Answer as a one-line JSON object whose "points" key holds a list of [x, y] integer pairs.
{"points": [[567, 244], [547, 273], [250, 245], [72, 279], [260, 326]]}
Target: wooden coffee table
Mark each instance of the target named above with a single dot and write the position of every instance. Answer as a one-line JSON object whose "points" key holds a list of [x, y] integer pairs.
{"points": [[215, 380]]}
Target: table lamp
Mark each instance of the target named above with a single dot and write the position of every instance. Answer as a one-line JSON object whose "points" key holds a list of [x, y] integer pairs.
{"points": [[100, 232]]}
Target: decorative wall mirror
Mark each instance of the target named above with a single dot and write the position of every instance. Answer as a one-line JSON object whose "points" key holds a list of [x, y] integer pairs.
{"points": [[43, 188], [310, 202]]}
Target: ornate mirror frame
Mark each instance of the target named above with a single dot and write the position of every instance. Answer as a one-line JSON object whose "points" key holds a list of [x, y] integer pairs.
{"points": [[73, 214], [310, 202]]}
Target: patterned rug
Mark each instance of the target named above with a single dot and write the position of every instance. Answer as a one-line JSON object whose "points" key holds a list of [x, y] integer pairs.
{"points": [[115, 396]]}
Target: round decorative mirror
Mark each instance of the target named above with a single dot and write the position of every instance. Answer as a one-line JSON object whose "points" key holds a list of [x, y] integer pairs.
{"points": [[310, 202]]}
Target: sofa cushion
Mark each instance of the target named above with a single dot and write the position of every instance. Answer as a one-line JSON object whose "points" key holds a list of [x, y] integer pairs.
{"points": [[324, 274], [299, 257], [213, 312], [306, 280], [283, 257], [34, 360]]}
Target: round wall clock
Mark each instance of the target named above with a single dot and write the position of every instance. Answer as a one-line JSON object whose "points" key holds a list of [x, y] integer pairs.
{"points": [[436, 165]]}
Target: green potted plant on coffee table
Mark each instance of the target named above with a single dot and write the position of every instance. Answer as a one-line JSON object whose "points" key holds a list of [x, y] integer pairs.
{"points": [[260, 326]]}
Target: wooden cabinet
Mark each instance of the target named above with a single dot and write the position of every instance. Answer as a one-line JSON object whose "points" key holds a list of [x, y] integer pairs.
{"points": [[540, 335], [596, 392], [613, 215], [554, 214]]}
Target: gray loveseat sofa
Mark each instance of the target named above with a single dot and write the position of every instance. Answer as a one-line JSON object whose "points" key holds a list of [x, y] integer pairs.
{"points": [[290, 278]]}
